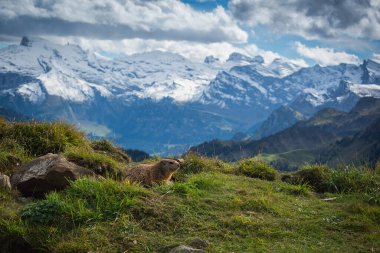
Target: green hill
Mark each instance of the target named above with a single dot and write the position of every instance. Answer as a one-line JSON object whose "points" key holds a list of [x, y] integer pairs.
{"points": [[218, 206]]}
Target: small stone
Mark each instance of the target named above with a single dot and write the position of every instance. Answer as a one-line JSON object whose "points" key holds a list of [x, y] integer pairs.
{"points": [[185, 249]]}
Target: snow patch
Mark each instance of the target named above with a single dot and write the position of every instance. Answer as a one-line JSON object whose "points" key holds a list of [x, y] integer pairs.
{"points": [[366, 90], [66, 87], [32, 91]]}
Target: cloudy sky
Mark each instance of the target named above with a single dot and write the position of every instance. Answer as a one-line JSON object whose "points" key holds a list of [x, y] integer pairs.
{"points": [[306, 31]]}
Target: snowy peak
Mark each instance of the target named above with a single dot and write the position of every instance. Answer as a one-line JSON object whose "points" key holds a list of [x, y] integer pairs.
{"points": [[371, 71], [74, 74], [238, 57], [210, 59], [26, 42], [281, 67]]}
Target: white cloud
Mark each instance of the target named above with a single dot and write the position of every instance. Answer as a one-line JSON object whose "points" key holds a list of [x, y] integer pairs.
{"points": [[313, 19], [376, 57], [192, 50], [118, 19], [325, 56]]}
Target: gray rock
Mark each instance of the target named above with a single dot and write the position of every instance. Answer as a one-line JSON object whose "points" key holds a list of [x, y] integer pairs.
{"points": [[5, 182], [198, 243], [46, 173], [185, 249]]}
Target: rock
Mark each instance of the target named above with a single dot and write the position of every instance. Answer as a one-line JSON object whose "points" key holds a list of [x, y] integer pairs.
{"points": [[46, 173], [5, 182], [185, 249], [198, 243], [15, 243]]}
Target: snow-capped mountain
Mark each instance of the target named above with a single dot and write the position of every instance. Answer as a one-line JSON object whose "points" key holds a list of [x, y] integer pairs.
{"points": [[161, 101], [77, 75]]}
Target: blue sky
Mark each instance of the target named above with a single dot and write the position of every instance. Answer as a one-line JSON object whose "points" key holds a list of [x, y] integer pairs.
{"points": [[326, 32]]}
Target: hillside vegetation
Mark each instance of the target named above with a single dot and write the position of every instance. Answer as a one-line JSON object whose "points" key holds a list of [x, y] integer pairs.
{"points": [[246, 206], [330, 136]]}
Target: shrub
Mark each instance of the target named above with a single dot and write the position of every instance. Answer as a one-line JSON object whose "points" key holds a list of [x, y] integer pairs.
{"points": [[108, 148], [40, 138], [196, 164], [256, 169], [86, 201], [44, 211], [101, 164], [318, 176], [355, 179], [12, 155], [342, 179]]}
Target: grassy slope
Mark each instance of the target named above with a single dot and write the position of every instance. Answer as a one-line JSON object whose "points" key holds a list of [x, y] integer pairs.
{"points": [[293, 159], [209, 200], [234, 213]]}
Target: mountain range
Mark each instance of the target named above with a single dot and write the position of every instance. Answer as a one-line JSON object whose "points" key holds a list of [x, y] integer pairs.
{"points": [[330, 136], [164, 103]]}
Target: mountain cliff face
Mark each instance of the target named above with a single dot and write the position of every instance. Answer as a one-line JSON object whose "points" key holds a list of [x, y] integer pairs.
{"points": [[363, 147], [164, 103], [278, 120], [327, 130]]}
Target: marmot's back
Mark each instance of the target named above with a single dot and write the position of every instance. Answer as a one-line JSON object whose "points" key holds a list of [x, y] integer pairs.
{"points": [[149, 174], [140, 174]]}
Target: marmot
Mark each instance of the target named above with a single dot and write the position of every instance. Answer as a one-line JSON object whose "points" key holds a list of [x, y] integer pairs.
{"points": [[149, 174]]}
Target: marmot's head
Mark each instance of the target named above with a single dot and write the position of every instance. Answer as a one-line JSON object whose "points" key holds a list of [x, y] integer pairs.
{"points": [[169, 165]]}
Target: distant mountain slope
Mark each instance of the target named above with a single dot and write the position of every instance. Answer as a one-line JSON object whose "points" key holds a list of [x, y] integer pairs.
{"points": [[322, 130], [11, 115], [162, 102], [363, 147], [278, 120]]}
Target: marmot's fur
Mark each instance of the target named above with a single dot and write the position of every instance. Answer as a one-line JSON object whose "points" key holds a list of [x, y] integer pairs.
{"points": [[149, 174]]}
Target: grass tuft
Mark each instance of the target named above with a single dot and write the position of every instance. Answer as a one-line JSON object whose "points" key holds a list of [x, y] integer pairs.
{"points": [[40, 138], [256, 169], [109, 149], [86, 201], [101, 163]]}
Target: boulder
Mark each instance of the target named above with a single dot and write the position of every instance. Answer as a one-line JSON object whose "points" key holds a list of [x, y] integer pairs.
{"points": [[46, 173], [5, 182]]}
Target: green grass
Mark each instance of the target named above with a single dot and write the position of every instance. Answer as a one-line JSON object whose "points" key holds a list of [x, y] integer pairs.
{"points": [[101, 163], [12, 154], [288, 160], [21, 142], [228, 205], [87, 201], [257, 169], [108, 148], [235, 213], [40, 138], [346, 179]]}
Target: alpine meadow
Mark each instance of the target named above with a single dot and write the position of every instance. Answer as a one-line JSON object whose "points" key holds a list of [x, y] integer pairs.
{"points": [[189, 126]]}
